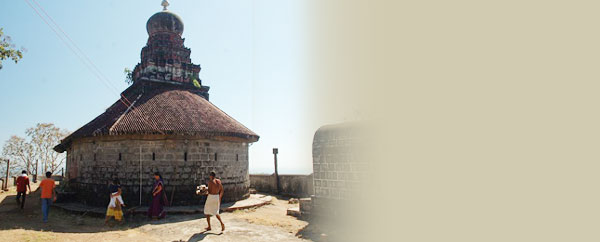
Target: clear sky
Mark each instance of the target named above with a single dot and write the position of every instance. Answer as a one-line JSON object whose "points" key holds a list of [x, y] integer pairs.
{"points": [[253, 55]]}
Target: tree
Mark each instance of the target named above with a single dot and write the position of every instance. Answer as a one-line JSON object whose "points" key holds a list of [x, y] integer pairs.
{"points": [[21, 154], [128, 76], [3, 161], [44, 136], [38, 146], [7, 49]]}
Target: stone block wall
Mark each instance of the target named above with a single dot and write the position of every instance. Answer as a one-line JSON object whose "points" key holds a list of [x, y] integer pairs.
{"points": [[291, 185], [296, 185], [263, 183], [337, 168], [184, 164]]}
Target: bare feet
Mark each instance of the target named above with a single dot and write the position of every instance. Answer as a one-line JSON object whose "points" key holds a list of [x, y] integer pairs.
{"points": [[222, 227], [207, 228]]}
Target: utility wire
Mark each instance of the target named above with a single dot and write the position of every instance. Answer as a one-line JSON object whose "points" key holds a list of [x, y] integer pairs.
{"points": [[86, 60]]}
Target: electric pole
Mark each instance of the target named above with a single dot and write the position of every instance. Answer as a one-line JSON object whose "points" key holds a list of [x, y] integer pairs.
{"points": [[6, 181]]}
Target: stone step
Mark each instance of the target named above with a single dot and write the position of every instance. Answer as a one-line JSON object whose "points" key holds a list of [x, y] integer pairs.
{"points": [[295, 211], [255, 200]]}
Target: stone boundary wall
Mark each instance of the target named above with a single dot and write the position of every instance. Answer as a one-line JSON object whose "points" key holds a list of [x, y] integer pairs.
{"points": [[290, 185], [263, 182]]}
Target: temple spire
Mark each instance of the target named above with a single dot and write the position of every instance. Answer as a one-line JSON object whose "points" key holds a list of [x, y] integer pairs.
{"points": [[165, 4]]}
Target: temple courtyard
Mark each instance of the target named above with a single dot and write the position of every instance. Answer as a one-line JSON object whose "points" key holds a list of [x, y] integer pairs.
{"points": [[265, 223]]}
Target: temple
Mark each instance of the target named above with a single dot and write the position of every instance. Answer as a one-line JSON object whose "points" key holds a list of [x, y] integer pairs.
{"points": [[163, 122]]}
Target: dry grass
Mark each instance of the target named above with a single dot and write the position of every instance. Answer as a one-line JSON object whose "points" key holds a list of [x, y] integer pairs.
{"points": [[27, 235], [274, 214]]}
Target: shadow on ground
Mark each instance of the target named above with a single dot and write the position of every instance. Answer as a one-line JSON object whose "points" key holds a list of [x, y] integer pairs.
{"points": [[325, 227], [199, 236], [30, 218], [313, 231]]}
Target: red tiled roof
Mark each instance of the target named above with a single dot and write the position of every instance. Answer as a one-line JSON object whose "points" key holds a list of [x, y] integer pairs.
{"points": [[162, 110]]}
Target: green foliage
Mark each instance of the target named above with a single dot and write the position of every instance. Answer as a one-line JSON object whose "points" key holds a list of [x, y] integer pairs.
{"points": [[128, 76], [197, 84], [7, 49]]}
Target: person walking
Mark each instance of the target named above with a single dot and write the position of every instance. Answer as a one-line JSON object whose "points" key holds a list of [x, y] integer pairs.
{"points": [[48, 194], [213, 201], [159, 199], [116, 202], [22, 185]]}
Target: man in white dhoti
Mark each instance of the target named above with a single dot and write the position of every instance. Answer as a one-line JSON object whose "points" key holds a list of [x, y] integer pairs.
{"points": [[213, 201]]}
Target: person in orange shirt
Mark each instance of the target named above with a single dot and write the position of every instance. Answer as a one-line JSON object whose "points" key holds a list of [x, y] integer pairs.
{"points": [[48, 194]]}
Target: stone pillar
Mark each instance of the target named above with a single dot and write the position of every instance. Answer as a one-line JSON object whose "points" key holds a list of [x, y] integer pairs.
{"points": [[275, 151]]}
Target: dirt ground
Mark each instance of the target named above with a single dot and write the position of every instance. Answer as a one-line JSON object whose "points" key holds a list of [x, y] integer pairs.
{"points": [[267, 223]]}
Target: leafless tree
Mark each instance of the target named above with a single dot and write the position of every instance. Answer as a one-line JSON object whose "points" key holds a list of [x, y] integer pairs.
{"points": [[21, 154], [24, 153], [44, 136]]}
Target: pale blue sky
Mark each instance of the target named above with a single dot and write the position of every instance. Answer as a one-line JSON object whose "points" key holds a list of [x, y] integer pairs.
{"points": [[253, 55]]}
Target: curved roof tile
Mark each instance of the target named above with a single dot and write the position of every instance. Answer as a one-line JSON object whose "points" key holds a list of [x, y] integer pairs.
{"points": [[162, 111]]}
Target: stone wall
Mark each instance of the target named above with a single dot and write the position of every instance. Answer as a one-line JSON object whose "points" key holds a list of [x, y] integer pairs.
{"points": [[337, 168], [291, 185], [263, 183], [183, 163]]}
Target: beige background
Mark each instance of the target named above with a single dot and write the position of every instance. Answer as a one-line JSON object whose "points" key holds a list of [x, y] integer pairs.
{"points": [[487, 114]]}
